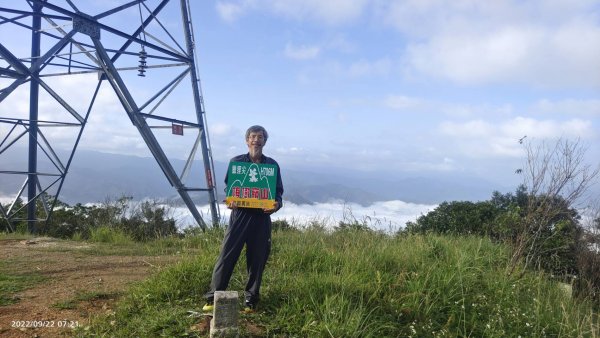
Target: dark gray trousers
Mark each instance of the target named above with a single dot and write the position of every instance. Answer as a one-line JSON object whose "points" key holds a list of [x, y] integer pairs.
{"points": [[248, 227]]}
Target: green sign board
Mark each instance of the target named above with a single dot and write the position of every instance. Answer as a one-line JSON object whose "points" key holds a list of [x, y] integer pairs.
{"points": [[251, 185]]}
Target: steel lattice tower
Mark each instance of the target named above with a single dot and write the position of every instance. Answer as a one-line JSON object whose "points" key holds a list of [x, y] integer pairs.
{"points": [[83, 43]]}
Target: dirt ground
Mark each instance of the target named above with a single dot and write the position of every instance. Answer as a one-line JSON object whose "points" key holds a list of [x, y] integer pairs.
{"points": [[75, 287]]}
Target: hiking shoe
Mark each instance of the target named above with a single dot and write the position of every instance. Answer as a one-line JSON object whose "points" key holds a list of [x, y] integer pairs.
{"points": [[208, 308], [249, 307]]}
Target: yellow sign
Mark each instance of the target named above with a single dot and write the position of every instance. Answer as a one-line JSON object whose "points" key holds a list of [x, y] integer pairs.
{"points": [[250, 203]]}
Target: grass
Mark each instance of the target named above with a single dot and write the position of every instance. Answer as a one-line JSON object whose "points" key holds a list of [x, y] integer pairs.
{"points": [[361, 284], [117, 245], [85, 296], [22, 235], [108, 235], [12, 283], [191, 246]]}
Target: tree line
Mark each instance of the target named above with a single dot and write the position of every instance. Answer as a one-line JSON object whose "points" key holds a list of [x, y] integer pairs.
{"points": [[141, 221]]}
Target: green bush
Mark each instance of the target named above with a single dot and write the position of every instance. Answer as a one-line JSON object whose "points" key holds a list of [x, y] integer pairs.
{"points": [[144, 221], [546, 227], [109, 235], [457, 218], [352, 226], [148, 221], [281, 225]]}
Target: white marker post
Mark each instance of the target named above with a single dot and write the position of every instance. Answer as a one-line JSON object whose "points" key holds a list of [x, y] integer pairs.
{"points": [[224, 323]]}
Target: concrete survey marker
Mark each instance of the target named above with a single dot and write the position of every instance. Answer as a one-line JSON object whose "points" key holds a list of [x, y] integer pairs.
{"points": [[224, 323]]}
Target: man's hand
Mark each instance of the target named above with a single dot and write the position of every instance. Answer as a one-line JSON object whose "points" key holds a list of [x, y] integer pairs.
{"points": [[231, 205], [271, 210]]}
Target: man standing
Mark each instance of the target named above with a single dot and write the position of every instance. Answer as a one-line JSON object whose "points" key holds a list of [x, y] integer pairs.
{"points": [[247, 226]]}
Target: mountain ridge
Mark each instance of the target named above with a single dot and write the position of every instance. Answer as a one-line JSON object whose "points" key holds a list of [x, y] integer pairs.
{"points": [[95, 176]]}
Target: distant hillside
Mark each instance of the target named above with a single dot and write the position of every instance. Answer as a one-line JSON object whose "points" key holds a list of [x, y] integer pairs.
{"points": [[94, 176]]}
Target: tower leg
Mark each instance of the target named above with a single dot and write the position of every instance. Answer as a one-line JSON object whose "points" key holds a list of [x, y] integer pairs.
{"points": [[34, 91]]}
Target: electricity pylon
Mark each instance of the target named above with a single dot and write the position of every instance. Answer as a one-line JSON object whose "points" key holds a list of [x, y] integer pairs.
{"points": [[79, 45]]}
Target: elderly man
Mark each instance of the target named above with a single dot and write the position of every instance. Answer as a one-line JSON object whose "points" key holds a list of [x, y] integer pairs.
{"points": [[247, 226]]}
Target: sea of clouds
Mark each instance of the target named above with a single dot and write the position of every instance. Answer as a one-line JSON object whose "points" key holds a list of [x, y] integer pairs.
{"points": [[386, 215], [389, 216]]}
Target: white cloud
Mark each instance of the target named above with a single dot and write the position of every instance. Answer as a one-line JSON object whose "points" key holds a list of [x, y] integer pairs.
{"points": [[220, 129], [464, 111], [7, 199], [369, 68], [357, 69], [289, 151], [332, 12], [388, 215], [471, 58], [108, 128], [431, 164], [478, 138], [426, 18], [230, 11], [401, 102], [469, 129], [301, 52], [576, 107], [340, 43], [434, 107], [519, 126], [469, 42]]}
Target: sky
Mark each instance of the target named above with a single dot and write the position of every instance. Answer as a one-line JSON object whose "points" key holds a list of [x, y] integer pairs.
{"points": [[382, 86], [401, 85]]}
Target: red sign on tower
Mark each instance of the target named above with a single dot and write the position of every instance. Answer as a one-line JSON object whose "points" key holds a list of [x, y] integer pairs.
{"points": [[177, 129]]}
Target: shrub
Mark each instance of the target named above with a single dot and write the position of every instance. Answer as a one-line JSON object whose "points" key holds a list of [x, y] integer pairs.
{"points": [[352, 226], [457, 218], [144, 221], [109, 235], [551, 244], [149, 221], [280, 225]]}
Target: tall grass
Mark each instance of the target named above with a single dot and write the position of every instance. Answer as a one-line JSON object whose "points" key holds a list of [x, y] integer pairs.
{"points": [[106, 234], [363, 284]]}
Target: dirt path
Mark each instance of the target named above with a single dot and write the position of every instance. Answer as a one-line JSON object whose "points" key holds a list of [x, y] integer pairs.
{"points": [[75, 285]]}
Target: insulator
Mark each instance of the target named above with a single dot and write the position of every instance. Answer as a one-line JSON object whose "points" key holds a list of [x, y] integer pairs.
{"points": [[142, 63]]}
